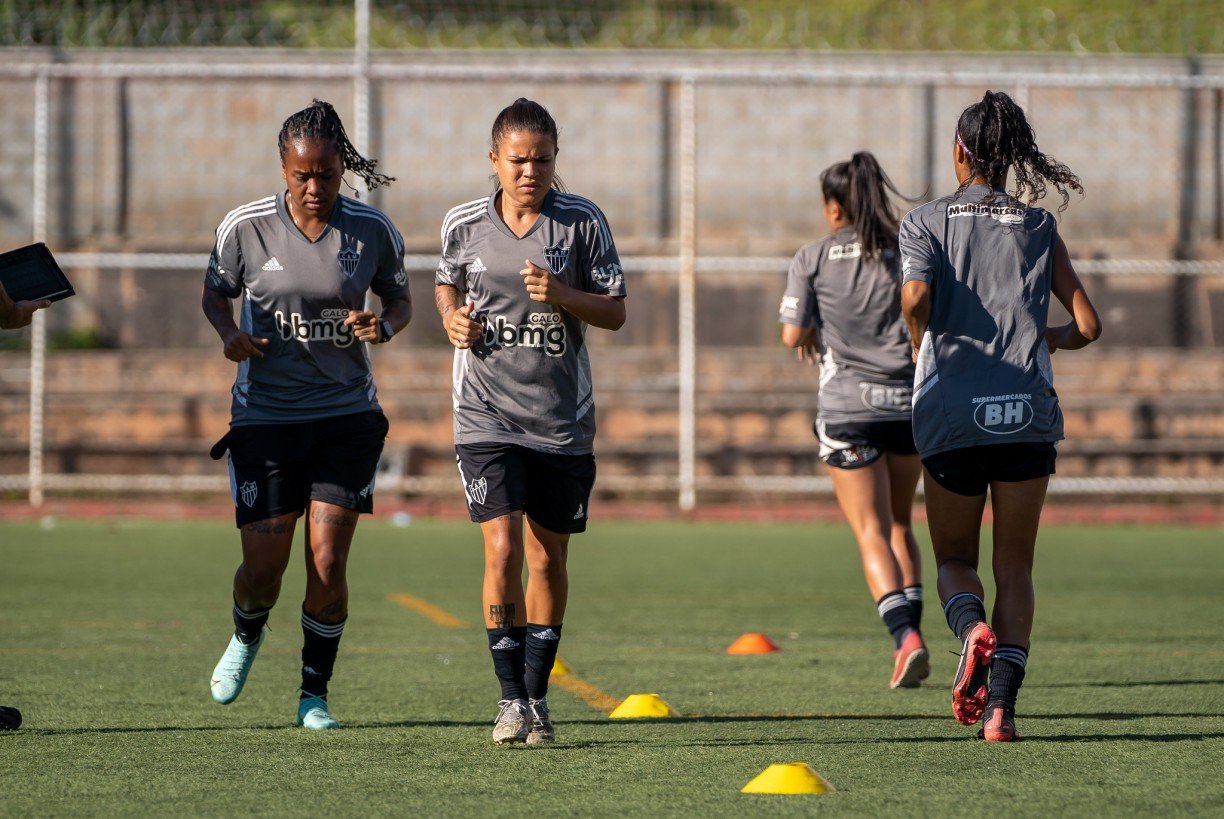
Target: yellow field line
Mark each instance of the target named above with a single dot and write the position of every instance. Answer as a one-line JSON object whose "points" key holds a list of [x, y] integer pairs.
{"points": [[592, 696], [440, 616]]}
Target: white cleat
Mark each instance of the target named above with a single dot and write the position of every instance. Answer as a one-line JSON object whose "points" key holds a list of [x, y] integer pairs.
{"points": [[313, 714], [231, 672], [542, 731], [513, 722]]}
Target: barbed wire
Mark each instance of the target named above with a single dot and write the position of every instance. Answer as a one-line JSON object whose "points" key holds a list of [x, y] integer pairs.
{"points": [[1073, 26]]}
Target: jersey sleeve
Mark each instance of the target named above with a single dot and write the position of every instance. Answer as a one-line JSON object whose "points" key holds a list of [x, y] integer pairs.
{"points": [[390, 279], [602, 265], [449, 271], [225, 265], [798, 307], [919, 261]]}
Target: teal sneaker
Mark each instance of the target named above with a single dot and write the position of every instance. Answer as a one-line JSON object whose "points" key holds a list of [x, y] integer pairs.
{"points": [[231, 672], [313, 714]]}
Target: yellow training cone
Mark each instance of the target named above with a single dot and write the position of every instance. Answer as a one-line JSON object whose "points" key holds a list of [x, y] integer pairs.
{"points": [[789, 777], [638, 706], [560, 669]]}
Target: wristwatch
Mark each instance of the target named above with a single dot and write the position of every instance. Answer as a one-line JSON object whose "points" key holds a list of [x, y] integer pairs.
{"points": [[384, 331]]}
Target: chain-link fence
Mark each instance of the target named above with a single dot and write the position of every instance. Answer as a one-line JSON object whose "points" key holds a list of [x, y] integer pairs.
{"points": [[1078, 26]]}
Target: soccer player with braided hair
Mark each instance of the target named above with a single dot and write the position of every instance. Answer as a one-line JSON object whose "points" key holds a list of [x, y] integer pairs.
{"points": [[979, 267], [306, 431], [843, 298]]}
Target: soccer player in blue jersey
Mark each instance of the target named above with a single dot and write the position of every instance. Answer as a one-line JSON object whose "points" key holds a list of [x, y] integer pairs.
{"points": [[979, 267], [523, 272], [843, 298], [306, 430]]}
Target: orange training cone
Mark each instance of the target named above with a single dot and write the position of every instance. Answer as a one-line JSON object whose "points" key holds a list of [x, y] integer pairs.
{"points": [[753, 643]]}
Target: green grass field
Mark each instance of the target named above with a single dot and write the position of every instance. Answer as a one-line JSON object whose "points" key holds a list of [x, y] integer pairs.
{"points": [[109, 630]]}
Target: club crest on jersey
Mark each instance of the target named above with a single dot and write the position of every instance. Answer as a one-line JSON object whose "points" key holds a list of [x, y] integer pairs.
{"points": [[556, 256], [478, 490], [249, 492], [349, 258], [1003, 414]]}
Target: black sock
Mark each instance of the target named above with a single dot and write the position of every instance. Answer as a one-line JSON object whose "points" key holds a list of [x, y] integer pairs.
{"points": [[509, 650], [963, 611], [1007, 675], [322, 641], [542, 642], [914, 595], [897, 615], [248, 624]]}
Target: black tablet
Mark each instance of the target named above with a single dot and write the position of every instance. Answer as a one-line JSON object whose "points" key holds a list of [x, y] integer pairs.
{"points": [[31, 274]]}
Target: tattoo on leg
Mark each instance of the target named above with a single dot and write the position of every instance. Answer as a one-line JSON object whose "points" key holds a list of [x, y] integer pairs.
{"points": [[333, 612], [268, 527], [322, 516], [502, 615]]}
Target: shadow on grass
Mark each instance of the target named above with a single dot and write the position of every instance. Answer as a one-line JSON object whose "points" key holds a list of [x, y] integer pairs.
{"points": [[1125, 683], [708, 719]]}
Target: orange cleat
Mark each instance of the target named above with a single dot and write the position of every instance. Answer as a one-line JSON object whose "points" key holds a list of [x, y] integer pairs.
{"points": [[999, 724], [969, 692], [912, 662]]}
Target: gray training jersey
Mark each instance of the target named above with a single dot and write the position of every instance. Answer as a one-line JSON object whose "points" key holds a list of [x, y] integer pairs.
{"points": [[527, 381], [984, 374], [854, 302], [297, 293]]}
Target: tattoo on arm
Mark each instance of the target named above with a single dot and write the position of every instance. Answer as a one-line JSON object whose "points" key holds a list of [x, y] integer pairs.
{"points": [[322, 516], [502, 615], [446, 298]]}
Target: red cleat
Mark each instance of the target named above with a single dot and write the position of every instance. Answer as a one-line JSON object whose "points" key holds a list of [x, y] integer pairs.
{"points": [[969, 692], [912, 662], [999, 725]]}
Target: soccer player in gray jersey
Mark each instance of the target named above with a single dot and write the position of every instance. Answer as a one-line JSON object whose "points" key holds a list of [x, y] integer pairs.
{"points": [[843, 294], [522, 273], [306, 430], [979, 267]]}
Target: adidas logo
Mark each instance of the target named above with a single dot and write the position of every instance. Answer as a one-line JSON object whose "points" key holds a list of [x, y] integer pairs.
{"points": [[477, 266], [546, 634], [504, 644], [272, 264], [578, 514]]}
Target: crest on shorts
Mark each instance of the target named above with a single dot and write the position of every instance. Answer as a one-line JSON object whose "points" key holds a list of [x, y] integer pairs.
{"points": [[349, 258], [477, 491], [249, 492], [556, 256]]}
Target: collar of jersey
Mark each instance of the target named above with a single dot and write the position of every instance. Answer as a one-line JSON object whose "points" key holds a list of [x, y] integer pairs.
{"points": [[282, 210], [495, 217]]}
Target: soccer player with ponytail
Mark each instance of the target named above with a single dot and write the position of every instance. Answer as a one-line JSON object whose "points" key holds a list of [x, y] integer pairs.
{"points": [[306, 430], [979, 268], [523, 273], [843, 297]]}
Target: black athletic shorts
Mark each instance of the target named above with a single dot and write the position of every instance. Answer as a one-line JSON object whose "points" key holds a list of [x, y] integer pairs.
{"points": [[859, 443], [552, 490], [276, 469], [969, 471]]}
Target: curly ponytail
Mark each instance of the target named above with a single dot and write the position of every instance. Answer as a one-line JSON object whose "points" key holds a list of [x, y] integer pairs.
{"points": [[320, 121], [996, 137]]}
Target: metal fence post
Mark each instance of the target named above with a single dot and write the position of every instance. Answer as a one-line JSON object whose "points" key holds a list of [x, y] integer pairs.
{"points": [[38, 337], [688, 293]]}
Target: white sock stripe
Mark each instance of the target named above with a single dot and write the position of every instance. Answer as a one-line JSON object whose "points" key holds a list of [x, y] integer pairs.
{"points": [[1016, 656], [913, 592], [891, 601], [323, 629], [251, 615], [956, 597]]}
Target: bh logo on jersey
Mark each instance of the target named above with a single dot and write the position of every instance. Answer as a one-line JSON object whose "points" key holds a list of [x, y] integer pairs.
{"points": [[544, 330], [329, 326], [1003, 414], [556, 256], [349, 258], [886, 397]]}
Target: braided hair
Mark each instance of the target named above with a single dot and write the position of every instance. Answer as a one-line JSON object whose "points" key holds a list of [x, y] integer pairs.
{"points": [[320, 121], [529, 117], [861, 187], [996, 137]]}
